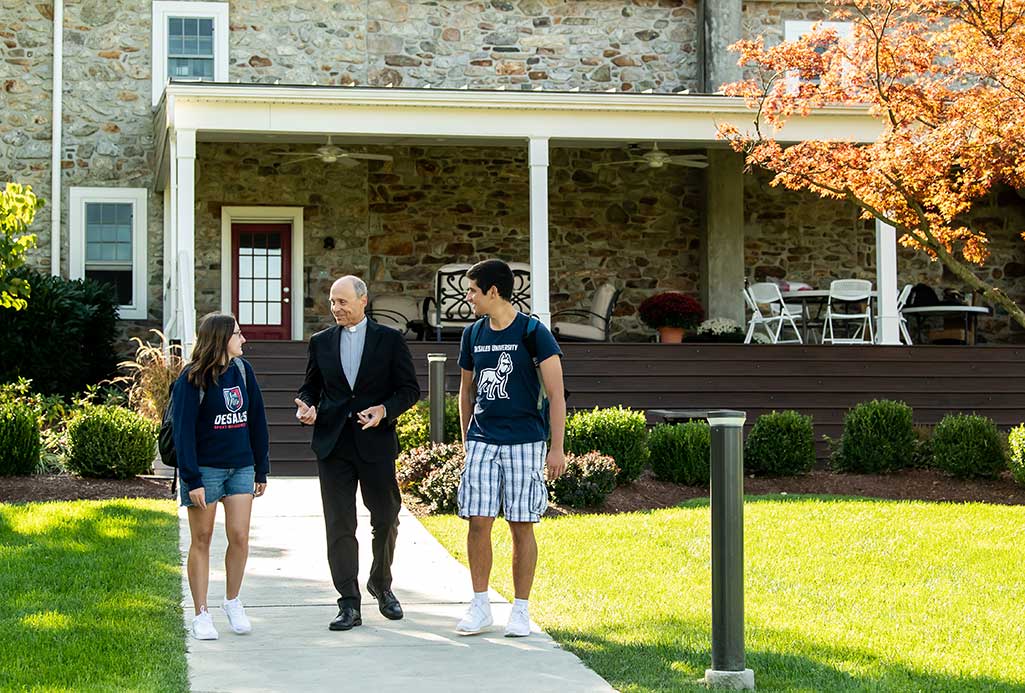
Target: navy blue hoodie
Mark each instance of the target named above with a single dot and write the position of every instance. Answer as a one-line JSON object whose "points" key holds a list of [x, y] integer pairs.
{"points": [[228, 429]]}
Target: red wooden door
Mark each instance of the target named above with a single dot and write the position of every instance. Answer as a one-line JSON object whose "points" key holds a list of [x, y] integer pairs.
{"points": [[261, 261]]}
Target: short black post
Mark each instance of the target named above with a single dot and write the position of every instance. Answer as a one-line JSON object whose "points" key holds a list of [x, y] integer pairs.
{"points": [[727, 505], [436, 395]]}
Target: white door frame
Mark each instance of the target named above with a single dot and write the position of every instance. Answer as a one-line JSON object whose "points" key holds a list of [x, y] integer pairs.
{"points": [[263, 215]]}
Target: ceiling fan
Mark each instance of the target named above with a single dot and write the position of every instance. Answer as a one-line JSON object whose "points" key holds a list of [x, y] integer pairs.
{"points": [[331, 153], [656, 158]]}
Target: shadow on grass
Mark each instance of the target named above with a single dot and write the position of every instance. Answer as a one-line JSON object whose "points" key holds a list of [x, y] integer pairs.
{"points": [[672, 655], [91, 597], [790, 498]]}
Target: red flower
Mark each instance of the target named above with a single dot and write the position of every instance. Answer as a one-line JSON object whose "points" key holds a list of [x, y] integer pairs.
{"points": [[671, 309]]}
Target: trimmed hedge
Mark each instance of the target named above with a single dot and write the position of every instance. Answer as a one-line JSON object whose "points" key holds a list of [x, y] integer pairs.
{"points": [[617, 432], [967, 445], [19, 438], [587, 481], [780, 444], [1016, 461], [681, 453], [878, 436], [110, 442], [414, 425], [64, 340]]}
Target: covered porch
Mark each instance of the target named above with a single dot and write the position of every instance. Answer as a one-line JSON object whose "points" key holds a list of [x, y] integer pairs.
{"points": [[537, 166]]}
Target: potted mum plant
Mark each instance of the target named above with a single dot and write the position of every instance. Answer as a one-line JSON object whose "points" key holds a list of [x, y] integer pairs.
{"points": [[671, 313], [718, 330]]}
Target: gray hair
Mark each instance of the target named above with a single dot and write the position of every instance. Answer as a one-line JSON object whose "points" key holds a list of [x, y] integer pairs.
{"points": [[358, 285]]}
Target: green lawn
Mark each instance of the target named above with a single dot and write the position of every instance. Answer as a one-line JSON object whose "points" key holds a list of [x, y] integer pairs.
{"points": [[842, 594], [90, 597]]}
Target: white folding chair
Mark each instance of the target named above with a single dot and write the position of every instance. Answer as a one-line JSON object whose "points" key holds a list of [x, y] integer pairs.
{"points": [[902, 300], [767, 294], [849, 293]]}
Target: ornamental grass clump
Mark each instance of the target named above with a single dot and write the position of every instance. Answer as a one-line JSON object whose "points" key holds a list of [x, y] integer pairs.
{"points": [[681, 452], [967, 445], [780, 444], [671, 309]]}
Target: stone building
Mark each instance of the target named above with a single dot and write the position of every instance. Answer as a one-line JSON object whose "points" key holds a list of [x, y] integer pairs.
{"points": [[167, 157]]}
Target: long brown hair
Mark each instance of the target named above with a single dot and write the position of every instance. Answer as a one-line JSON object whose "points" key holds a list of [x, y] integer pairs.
{"points": [[210, 355]]}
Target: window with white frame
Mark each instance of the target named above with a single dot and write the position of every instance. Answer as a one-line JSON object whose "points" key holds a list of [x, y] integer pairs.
{"points": [[794, 30], [107, 230], [190, 42]]}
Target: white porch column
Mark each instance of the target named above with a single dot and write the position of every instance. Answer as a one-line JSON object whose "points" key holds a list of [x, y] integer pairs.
{"points": [[185, 231], [539, 279], [886, 284]]}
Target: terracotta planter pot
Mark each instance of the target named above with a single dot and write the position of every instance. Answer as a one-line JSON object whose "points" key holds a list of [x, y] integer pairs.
{"points": [[670, 335]]}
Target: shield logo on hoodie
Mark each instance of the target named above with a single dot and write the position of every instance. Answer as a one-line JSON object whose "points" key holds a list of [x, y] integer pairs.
{"points": [[233, 398]]}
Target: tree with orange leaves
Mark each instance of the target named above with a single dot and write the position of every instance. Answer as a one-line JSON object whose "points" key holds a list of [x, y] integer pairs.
{"points": [[946, 81]]}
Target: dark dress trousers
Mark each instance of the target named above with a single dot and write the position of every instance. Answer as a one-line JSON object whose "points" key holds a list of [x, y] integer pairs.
{"points": [[347, 455]]}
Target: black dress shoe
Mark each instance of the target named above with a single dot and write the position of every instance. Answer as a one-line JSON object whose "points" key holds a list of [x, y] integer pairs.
{"points": [[387, 603], [347, 618]]}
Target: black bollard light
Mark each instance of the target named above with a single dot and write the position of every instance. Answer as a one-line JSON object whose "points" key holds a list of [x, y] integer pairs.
{"points": [[436, 395]]}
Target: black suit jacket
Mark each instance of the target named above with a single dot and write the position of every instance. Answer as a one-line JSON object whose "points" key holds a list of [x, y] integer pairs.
{"points": [[386, 376]]}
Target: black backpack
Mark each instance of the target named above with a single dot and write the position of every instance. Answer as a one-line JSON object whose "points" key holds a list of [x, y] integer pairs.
{"points": [[165, 439]]}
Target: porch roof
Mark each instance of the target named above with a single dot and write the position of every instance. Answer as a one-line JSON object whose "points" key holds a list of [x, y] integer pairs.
{"points": [[248, 112]]}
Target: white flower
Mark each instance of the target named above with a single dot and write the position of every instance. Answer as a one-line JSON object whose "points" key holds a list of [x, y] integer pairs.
{"points": [[718, 326], [759, 338]]}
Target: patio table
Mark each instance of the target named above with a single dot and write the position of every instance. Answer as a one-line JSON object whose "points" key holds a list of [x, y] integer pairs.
{"points": [[970, 313], [810, 298]]}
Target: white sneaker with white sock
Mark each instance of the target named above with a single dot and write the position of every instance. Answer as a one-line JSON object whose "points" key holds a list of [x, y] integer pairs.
{"points": [[236, 614], [477, 617], [203, 626], [519, 621]]}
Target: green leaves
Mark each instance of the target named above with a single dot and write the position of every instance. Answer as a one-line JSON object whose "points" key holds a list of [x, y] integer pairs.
{"points": [[18, 207]]}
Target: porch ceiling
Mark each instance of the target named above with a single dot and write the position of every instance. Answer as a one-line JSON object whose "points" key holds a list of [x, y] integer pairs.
{"points": [[383, 116]]}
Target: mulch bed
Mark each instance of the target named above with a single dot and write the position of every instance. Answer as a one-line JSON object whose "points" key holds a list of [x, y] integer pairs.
{"points": [[644, 494], [24, 489]]}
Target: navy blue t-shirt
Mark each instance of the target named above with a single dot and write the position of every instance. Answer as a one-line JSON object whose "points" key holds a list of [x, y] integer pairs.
{"points": [[506, 411], [228, 429]]}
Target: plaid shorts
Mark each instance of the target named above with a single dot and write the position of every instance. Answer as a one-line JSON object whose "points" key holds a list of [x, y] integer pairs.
{"points": [[507, 478]]}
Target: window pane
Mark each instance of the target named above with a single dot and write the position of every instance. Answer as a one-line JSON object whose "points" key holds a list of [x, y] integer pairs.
{"points": [[92, 213], [206, 27], [174, 26], [260, 290], [274, 314], [274, 267], [246, 241], [245, 289], [124, 252], [245, 266], [120, 280], [274, 290], [259, 267], [245, 313], [259, 313]]}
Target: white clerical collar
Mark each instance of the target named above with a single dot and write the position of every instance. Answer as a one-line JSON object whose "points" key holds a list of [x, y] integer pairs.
{"points": [[357, 326]]}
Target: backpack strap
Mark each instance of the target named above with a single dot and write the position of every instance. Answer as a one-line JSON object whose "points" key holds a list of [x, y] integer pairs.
{"points": [[529, 340]]}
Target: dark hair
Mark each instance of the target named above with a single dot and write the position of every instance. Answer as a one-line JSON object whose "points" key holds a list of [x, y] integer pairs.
{"points": [[493, 273], [210, 355]]}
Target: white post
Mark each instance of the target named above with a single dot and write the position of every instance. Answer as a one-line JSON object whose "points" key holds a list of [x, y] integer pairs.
{"points": [[539, 279], [185, 231], [886, 284], [56, 122]]}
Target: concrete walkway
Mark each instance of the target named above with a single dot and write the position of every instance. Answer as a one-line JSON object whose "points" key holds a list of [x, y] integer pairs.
{"points": [[290, 599]]}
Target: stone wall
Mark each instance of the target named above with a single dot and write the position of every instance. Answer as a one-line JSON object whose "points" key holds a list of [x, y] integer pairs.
{"points": [[396, 223], [798, 236]]}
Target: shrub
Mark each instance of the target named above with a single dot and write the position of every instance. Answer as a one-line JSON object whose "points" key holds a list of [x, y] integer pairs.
{"points": [[440, 490], [617, 432], [967, 445], [110, 443], [416, 464], [64, 339], [19, 438], [780, 443], [681, 452], [878, 436], [587, 481], [1016, 441], [923, 448], [414, 424]]}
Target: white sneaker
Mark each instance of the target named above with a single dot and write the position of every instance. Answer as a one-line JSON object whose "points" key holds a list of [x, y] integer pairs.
{"points": [[476, 619], [237, 618], [203, 626], [519, 624]]}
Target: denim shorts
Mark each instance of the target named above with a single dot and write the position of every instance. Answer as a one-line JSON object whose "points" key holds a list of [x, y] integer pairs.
{"points": [[218, 483]]}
